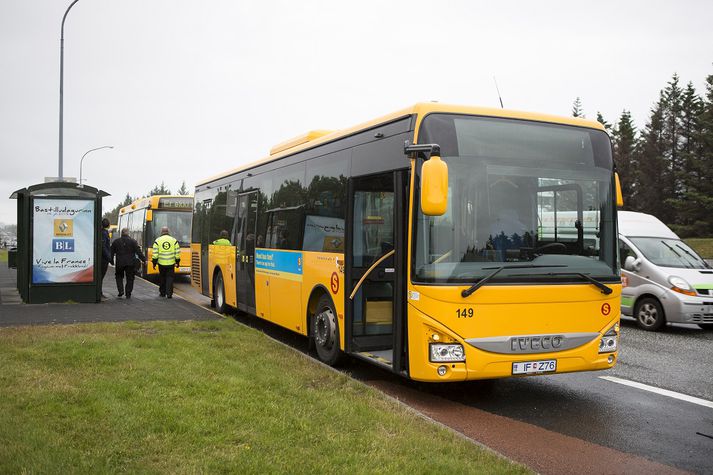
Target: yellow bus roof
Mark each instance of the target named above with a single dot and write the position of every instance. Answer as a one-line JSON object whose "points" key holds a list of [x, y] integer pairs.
{"points": [[317, 137], [148, 202]]}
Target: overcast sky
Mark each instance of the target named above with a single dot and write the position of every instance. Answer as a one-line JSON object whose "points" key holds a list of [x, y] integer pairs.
{"points": [[185, 90]]}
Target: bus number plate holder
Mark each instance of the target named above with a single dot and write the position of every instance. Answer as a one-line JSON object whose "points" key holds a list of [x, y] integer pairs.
{"points": [[534, 367]]}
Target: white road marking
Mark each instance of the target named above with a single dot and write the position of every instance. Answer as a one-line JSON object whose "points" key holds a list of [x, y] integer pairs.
{"points": [[664, 392]]}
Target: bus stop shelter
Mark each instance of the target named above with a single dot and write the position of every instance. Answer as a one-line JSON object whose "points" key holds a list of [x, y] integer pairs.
{"points": [[59, 243]]}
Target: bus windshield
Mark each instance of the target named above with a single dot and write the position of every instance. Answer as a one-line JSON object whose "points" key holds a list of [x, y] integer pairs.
{"points": [[178, 222], [669, 253], [522, 192]]}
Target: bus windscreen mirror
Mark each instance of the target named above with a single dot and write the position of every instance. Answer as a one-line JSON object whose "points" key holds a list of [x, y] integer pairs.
{"points": [[619, 194], [434, 187], [149, 215]]}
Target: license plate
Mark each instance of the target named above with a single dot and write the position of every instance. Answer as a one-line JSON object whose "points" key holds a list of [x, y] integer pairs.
{"points": [[534, 367], [184, 269]]}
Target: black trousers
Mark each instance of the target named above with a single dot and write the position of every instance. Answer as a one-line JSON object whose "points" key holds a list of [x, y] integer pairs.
{"points": [[129, 272], [165, 279], [105, 266]]}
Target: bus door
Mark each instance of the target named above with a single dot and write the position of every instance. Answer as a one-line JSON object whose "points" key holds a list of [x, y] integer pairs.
{"points": [[245, 242], [375, 287]]}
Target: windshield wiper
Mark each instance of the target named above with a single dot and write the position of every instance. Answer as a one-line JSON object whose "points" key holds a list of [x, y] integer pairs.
{"points": [[695, 259], [467, 292], [605, 290]]}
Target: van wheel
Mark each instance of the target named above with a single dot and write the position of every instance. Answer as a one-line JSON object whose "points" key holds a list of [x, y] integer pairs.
{"points": [[325, 332], [649, 314], [219, 294]]}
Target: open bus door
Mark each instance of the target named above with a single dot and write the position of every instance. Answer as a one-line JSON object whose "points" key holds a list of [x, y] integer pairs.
{"points": [[375, 273]]}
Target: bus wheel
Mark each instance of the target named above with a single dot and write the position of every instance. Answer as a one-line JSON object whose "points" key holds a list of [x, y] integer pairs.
{"points": [[325, 332], [649, 314], [219, 294]]}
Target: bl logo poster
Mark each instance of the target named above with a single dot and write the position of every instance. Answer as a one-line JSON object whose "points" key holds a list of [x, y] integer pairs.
{"points": [[63, 241]]}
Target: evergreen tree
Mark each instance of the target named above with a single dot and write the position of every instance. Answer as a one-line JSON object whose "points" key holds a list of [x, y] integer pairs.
{"points": [[625, 158], [577, 108], [182, 190], [650, 150], [672, 96], [113, 215], [160, 190], [607, 125], [700, 192]]}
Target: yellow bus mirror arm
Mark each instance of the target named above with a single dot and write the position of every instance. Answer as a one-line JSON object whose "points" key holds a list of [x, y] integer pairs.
{"points": [[619, 195]]}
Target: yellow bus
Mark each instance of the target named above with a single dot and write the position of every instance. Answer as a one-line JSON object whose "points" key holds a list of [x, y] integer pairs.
{"points": [[144, 219], [423, 242]]}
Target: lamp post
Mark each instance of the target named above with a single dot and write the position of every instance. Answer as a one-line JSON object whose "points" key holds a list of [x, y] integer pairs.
{"points": [[61, 89], [85, 154]]}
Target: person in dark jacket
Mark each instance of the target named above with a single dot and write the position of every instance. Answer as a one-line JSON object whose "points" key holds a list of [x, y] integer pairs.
{"points": [[106, 249], [126, 250]]}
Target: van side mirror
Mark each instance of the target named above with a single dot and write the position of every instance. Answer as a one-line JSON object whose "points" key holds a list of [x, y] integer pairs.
{"points": [[619, 194], [632, 264], [434, 187]]}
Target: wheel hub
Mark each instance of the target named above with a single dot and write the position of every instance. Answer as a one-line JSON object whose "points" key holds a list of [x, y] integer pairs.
{"points": [[325, 328]]}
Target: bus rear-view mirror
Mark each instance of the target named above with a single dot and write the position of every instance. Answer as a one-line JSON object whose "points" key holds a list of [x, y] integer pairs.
{"points": [[434, 186]]}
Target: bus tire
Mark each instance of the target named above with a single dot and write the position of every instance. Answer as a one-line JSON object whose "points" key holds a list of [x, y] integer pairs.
{"points": [[325, 332], [219, 293], [649, 314]]}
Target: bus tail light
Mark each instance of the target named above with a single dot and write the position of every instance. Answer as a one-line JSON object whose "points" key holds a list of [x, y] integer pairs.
{"points": [[441, 352], [610, 341]]}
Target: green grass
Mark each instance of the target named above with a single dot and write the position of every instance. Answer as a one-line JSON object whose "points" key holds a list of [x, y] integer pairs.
{"points": [[3, 255], [166, 397], [703, 246]]}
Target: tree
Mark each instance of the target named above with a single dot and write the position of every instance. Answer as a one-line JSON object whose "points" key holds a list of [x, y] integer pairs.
{"points": [[650, 193], [182, 190], [625, 158], [160, 190], [113, 215], [577, 108], [607, 125]]}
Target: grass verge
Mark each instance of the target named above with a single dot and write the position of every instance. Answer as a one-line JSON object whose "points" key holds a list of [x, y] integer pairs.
{"points": [[193, 397], [3, 255], [703, 246]]}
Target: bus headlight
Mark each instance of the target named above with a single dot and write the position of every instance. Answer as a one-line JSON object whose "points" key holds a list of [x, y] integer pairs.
{"points": [[610, 341], [447, 352]]}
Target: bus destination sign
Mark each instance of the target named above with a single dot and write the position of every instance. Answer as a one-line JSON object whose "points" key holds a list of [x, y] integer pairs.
{"points": [[176, 202]]}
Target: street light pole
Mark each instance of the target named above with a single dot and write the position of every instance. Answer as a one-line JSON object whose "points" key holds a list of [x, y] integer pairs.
{"points": [[61, 89], [85, 154]]}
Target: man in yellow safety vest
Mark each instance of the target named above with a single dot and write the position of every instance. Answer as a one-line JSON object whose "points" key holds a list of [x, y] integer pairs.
{"points": [[223, 239], [167, 254]]}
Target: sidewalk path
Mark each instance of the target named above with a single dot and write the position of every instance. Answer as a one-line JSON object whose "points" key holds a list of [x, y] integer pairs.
{"points": [[145, 304]]}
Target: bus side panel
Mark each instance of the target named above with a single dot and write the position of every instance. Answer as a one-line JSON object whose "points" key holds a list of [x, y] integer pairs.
{"points": [[222, 259], [262, 286], [284, 271], [325, 269]]}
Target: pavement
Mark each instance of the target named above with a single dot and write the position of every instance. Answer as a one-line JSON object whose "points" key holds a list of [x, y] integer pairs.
{"points": [[144, 305]]}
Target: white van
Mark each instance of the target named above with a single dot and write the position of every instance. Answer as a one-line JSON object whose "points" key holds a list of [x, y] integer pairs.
{"points": [[665, 280]]}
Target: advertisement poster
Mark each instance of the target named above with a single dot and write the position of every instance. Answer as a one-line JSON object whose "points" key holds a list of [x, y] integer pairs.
{"points": [[63, 241]]}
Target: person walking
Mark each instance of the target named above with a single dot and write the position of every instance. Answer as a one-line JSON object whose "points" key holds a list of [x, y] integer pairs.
{"points": [[106, 251], [223, 239], [125, 250], [167, 254]]}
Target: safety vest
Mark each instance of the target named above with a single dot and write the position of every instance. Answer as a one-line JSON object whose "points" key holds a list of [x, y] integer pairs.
{"points": [[166, 250], [222, 242]]}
